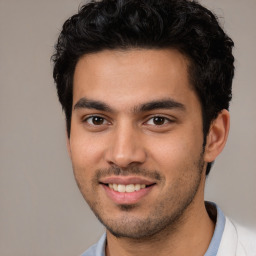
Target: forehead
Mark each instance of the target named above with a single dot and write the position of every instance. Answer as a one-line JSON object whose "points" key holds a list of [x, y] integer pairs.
{"points": [[132, 76]]}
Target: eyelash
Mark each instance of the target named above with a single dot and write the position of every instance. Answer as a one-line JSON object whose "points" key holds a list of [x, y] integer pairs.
{"points": [[95, 116], [164, 119]]}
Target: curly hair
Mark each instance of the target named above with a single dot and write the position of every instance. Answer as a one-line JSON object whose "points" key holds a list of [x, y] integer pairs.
{"points": [[150, 24]]}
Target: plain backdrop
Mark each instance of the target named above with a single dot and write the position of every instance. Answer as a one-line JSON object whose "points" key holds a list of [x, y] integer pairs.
{"points": [[41, 209]]}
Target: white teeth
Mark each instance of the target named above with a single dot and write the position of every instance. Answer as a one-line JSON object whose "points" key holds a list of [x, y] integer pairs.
{"points": [[129, 188], [121, 188], [115, 187], [137, 187], [126, 188]]}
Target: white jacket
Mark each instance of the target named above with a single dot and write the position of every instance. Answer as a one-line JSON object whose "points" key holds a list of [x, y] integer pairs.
{"points": [[237, 241]]}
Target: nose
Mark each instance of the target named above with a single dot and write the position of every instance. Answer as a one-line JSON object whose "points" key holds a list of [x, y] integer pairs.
{"points": [[126, 148]]}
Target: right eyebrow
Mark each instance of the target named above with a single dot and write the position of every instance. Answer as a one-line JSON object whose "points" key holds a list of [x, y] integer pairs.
{"points": [[92, 104]]}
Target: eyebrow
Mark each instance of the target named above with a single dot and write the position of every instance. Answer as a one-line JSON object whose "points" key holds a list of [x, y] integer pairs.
{"points": [[160, 104], [144, 107], [92, 104]]}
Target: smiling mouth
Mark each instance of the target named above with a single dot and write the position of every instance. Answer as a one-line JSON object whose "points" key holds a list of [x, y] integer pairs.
{"points": [[129, 188]]}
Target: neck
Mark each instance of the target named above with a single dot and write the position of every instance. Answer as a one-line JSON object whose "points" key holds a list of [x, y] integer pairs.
{"points": [[191, 235]]}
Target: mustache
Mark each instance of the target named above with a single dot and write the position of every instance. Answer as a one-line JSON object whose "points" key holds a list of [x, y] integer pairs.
{"points": [[152, 174]]}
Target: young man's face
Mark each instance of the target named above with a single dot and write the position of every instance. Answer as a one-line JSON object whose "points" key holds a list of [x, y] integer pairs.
{"points": [[137, 123]]}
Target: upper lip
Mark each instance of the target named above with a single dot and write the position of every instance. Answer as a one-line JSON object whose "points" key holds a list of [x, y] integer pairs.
{"points": [[125, 180]]}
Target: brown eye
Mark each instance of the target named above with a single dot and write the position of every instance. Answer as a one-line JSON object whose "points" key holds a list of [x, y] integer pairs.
{"points": [[96, 120], [158, 120]]}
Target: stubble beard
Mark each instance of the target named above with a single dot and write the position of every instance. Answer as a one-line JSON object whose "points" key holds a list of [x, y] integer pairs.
{"points": [[161, 219]]}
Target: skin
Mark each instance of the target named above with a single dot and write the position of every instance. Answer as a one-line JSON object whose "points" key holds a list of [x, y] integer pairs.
{"points": [[115, 134]]}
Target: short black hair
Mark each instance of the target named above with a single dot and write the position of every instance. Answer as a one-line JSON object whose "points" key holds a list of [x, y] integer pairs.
{"points": [[150, 24]]}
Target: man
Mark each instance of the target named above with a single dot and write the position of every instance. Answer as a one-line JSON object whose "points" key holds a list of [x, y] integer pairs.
{"points": [[146, 86]]}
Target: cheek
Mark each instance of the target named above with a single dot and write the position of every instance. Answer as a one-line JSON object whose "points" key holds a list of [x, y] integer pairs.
{"points": [[85, 155], [86, 151], [171, 153]]}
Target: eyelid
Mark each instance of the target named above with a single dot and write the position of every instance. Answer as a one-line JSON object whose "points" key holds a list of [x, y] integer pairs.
{"points": [[87, 117], [167, 119]]}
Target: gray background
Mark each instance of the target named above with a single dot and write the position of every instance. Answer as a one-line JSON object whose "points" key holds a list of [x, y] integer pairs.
{"points": [[41, 209]]}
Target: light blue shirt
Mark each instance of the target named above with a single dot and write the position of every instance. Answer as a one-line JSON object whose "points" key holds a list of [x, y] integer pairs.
{"points": [[98, 249]]}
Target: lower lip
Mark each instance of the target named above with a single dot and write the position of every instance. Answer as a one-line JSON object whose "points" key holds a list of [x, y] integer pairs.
{"points": [[126, 197]]}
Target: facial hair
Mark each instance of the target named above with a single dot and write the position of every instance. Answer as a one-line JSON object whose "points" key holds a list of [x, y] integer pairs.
{"points": [[166, 214]]}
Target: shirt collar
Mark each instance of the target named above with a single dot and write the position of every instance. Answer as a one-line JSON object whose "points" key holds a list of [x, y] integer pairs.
{"points": [[214, 212], [219, 228]]}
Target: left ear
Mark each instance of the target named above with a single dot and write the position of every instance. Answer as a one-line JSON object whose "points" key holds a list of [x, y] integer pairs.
{"points": [[217, 136]]}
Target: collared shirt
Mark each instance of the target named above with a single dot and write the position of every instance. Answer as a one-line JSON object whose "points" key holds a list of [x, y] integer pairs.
{"points": [[98, 249]]}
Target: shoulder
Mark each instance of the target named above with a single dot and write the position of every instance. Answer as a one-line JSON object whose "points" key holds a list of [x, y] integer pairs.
{"points": [[97, 249], [91, 251], [246, 240], [242, 238]]}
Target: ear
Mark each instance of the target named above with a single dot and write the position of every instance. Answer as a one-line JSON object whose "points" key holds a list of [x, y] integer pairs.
{"points": [[217, 136], [68, 144]]}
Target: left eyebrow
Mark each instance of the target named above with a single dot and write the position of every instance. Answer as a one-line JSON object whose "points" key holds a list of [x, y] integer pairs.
{"points": [[160, 104]]}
